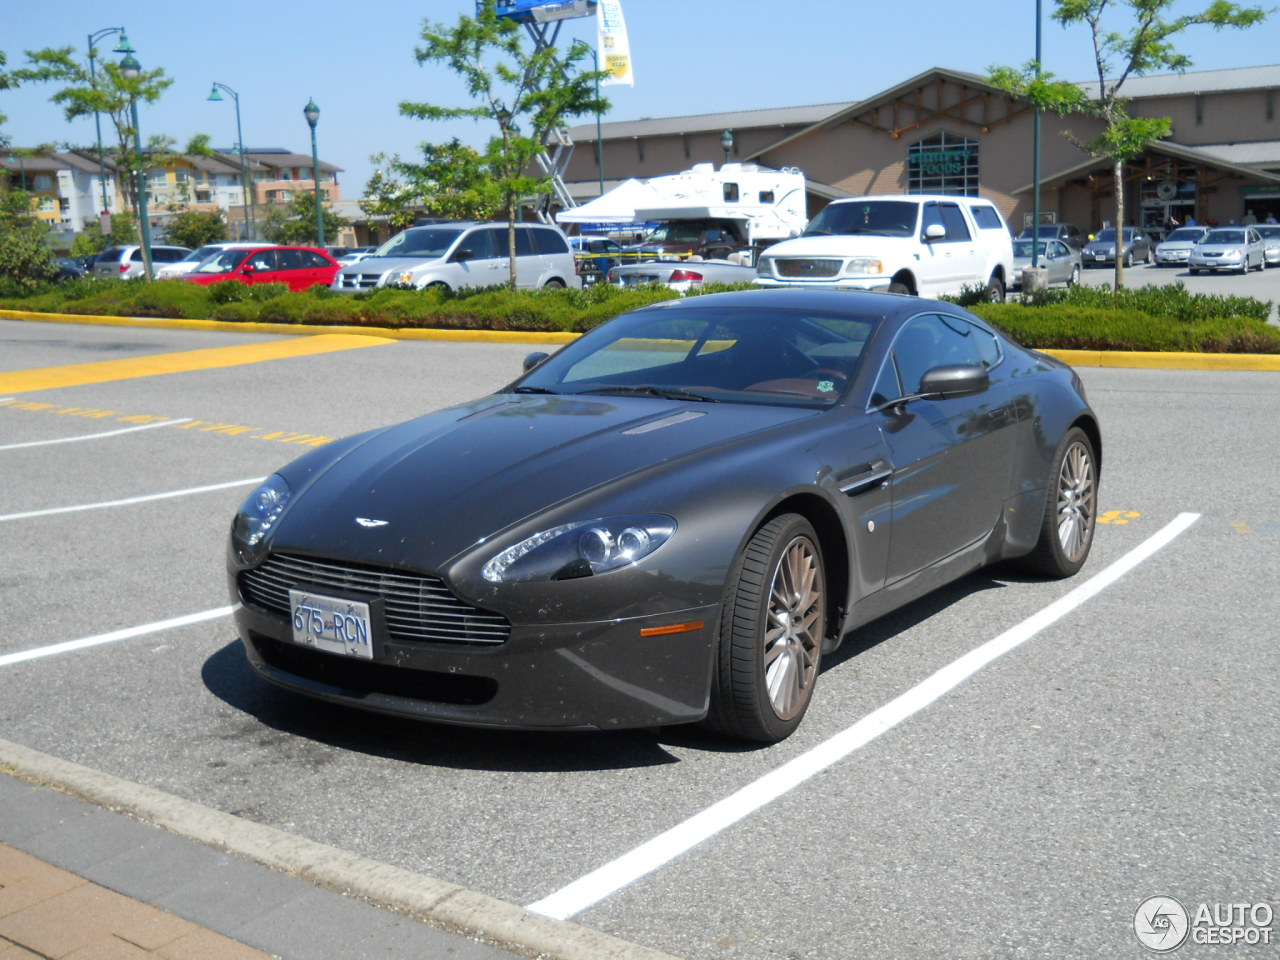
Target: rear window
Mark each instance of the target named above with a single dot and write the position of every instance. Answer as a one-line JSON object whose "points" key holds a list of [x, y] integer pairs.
{"points": [[110, 255], [168, 254], [988, 218]]}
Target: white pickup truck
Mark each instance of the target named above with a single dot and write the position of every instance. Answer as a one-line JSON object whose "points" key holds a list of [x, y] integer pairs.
{"points": [[919, 244]]}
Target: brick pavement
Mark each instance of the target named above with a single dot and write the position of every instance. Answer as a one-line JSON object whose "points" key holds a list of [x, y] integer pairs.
{"points": [[46, 912]]}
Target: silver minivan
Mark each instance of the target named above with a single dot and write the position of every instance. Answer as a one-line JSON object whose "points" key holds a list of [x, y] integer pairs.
{"points": [[125, 261], [454, 256]]}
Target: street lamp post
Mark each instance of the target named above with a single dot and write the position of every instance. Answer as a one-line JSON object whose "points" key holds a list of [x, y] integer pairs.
{"points": [[121, 47], [595, 66], [726, 144], [249, 209], [312, 113], [130, 69]]}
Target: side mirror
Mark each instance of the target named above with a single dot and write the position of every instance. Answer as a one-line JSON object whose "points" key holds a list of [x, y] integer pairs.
{"points": [[466, 253], [959, 380], [935, 231], [533, 359], [247, 269]]}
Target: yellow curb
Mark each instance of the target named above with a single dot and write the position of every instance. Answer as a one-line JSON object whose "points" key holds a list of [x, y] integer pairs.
{"points": [[1077, 358]]}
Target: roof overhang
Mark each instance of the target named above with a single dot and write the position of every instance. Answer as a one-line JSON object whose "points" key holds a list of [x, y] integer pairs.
{"points": [[1166, 147]]}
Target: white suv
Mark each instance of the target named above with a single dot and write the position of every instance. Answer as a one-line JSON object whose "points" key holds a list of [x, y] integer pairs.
{"points": [[452, 256], [921, 244]]}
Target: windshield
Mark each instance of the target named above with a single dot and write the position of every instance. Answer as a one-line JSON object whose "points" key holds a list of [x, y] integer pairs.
{"points": [[887, 218], [721, 354], [1224, 236], [1185, 235], [420, 242], [224, 262]]}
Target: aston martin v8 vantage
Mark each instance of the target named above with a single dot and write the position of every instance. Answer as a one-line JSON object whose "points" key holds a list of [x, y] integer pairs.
{"points": [[672, 519]]}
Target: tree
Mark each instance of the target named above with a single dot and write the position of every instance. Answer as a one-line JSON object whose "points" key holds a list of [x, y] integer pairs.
{"points": [[1147, 46], [92, 240], [25, 258], [5, 84], [527, 94], [193, 228], [450, 182], [295, 222], [106, 91]]}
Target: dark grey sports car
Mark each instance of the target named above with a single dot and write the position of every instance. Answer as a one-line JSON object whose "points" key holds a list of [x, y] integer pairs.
{"points": [[670, 520]]}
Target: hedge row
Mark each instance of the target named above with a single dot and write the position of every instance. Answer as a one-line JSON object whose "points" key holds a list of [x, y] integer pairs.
{"points": [[1156, 318]]}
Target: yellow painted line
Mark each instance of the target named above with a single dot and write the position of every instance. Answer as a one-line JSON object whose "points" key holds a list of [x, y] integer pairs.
{"points": [[303, 330], [105, 371]]}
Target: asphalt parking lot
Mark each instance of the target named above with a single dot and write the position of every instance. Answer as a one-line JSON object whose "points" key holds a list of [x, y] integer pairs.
{"points": [[1118, 743]]}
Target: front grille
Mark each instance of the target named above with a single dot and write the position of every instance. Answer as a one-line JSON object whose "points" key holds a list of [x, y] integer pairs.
{"points": [[807, 267], [418, 608], [357, 281]]}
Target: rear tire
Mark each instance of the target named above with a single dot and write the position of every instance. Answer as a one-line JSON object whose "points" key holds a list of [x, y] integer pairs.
{"points": [[1070, 510], [553, 284], [994, 292], [772, 624]]}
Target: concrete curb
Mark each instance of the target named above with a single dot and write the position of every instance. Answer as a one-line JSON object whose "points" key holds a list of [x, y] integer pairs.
{"points": [[437, 902], [1077, 358]]}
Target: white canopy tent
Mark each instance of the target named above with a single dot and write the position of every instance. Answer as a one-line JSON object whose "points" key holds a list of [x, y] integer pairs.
{"points": [[619, 205]]}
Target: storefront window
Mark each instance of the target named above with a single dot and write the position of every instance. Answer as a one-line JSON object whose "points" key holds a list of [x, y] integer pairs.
{"points": [[945, 163]]}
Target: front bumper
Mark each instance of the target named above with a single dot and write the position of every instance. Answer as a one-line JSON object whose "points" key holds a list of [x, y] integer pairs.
{"points": [[543, 677]]}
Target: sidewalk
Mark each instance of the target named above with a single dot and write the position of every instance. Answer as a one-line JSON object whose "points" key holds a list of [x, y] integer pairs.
{"points": [[82, 883]]}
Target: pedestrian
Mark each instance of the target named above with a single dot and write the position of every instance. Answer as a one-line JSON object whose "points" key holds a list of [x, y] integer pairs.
{"points": [[1248, 220], [1271, 218]]}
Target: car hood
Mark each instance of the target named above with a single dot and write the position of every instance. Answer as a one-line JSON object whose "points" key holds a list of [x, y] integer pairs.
{"points": [[383, 264], [436, 486]]}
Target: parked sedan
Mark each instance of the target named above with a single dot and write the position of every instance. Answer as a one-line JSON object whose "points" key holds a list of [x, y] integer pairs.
{"points": [[1270, 234], [672, 519], [682, 275], [1175, 249], [1228, 248], [1135, 245], [1061, 262], [299, 267], [1066, 232], [199, 255]]}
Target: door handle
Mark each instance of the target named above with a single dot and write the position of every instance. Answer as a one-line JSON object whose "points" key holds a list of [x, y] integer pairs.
{"points": [[864, 478]]}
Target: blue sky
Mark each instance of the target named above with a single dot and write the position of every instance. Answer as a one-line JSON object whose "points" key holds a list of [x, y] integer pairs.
{"points": [[690, 57]]}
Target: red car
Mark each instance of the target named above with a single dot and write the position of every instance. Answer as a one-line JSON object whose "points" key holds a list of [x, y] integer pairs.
{"points": [[299, 267]]}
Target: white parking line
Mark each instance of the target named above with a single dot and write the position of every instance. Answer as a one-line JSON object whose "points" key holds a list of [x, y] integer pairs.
{"points": [[67, 646], [94, 436], [146, 498], [648, 857]]}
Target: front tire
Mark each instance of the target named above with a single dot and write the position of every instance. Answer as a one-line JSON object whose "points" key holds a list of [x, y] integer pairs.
{"points": [[1070, 510], [994, 292], [772, 623]]}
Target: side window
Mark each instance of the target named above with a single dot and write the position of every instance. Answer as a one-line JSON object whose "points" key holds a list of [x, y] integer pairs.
{"points": [[916, 351], [289, 260], [953, 219], [312, 259], [524, 242], [730, 193], [986, 217], [263, 260], [549, 241], [931, 216], [484, 244], [886, 388]]}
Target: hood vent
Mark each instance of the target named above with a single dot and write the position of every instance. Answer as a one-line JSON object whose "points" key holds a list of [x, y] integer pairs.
{"points": [[670, 421]]}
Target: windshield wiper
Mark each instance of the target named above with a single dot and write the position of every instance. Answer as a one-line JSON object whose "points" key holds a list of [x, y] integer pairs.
{"points": [[533, 390], [666, 393]]}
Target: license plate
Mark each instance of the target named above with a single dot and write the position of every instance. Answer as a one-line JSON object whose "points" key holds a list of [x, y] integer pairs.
{"points": [[1099, 256], [332, 624], [636, 279]]}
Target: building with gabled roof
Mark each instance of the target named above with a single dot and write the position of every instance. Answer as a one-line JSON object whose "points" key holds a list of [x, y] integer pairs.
{"points": [[950, 131]]}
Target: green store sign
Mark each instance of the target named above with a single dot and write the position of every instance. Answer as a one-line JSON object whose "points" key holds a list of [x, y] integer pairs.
{"points": [[940, 163]]}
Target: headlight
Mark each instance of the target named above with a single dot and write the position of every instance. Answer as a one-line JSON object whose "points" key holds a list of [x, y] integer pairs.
{"points": [[257, 516], [860, 266], [1232, 254], [581, 549]]}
